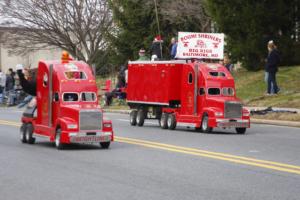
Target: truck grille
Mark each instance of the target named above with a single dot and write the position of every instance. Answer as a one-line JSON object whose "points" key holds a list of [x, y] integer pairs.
{"points": [[90, 120], [233, 109]]}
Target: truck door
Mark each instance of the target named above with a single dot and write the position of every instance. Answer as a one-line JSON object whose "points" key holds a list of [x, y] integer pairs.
{"points": [[188, 89], [201, 93], [44, 95]]}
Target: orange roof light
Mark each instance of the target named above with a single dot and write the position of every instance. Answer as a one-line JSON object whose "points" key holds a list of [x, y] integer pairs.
{"points": [[65, 57]]}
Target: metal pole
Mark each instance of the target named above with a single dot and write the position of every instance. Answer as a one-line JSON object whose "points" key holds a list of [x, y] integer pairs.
{"points": [[196, 89], [157, 22], [50, 95]]}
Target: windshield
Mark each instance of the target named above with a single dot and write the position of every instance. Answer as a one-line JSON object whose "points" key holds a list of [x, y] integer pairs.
{"points": [[71, 75], [84, 96], [70, 96], [88, 96], [214, 91], [228, 91], [217, 74]]}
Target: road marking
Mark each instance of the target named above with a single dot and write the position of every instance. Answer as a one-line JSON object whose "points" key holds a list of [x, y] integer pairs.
{"points": [[4, 122], [201, 153], [216, 155]]}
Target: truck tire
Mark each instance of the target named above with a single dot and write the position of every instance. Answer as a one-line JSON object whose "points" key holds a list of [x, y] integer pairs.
{"points": [[171, 121], [57, 141], [204, 125], [104, 145], [198, 129], [140, 118], [240, 130], [29, 134], [133, 115], [23, 132], [163, 121]]}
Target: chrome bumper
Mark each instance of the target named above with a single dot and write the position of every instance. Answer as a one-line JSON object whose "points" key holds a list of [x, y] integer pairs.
{"points": [[226, 123], [84, 138]]}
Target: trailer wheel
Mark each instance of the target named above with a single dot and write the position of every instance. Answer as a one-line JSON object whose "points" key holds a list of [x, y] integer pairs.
{"points": [[163, 121], [140, 118], [29, 134], [171, 121], [133, 115], [23, 132], [58, 143], [204, 126], [104, 145], [240, 130]]}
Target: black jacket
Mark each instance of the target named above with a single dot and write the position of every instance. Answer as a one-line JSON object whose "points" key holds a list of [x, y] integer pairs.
{"points": [[28, 86], [273, 60], [10, 82], [156, 49]]}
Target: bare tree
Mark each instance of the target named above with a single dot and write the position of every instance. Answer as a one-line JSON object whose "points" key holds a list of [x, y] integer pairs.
{"points": [[77, 26], [178, 11]]}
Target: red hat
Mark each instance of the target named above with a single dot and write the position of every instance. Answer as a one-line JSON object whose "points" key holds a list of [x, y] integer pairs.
{"points": [[157, 38]]}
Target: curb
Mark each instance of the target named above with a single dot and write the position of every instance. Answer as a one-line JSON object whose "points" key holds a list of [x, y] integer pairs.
{"points": [[252, 120], [116, 111], [275, 122]]}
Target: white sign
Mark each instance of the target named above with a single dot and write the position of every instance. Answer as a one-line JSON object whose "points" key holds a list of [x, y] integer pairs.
{"points": [[200, 45]]}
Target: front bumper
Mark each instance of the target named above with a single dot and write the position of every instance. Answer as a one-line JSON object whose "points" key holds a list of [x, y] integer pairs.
{"points": [[228, 123], [86, 138]]}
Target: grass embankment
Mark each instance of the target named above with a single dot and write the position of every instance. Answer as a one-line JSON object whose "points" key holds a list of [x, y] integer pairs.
{"points": [[251, 88]]}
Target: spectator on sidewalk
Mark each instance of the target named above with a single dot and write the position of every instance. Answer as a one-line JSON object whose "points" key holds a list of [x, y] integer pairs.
{"points": [[2, 86], [271, 68], [10, 87], [115, 92]]}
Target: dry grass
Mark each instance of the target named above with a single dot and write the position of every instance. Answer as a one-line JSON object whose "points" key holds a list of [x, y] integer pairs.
{"points": [[251, 88], [279, 116]]}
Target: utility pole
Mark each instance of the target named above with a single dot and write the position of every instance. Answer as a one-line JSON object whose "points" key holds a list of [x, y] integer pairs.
{"points": [[157, 22]]}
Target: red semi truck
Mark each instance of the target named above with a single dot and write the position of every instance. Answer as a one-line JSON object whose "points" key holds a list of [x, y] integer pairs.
{"points": [[192, 94], [67, 109]]}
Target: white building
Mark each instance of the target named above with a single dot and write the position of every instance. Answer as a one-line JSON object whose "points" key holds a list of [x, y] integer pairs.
{"points": [[30, 60]]}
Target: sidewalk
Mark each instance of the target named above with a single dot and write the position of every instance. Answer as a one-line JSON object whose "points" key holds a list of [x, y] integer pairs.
{"points": [[253, 120]]}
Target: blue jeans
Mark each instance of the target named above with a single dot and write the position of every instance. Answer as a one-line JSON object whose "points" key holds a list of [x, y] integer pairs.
{"points": [[26, 100], [1, 94], [11, 97], [266, 80], [272, 84]]}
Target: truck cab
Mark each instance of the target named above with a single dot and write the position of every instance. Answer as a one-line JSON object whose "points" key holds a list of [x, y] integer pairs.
{"points": [[210, 95], [67, 109]]}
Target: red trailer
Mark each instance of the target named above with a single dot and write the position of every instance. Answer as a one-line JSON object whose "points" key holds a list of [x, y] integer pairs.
{"points": [[192, 94], [67, 109]]}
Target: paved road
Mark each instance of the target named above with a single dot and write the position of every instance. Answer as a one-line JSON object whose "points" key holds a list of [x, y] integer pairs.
{"points": [[150, 163]]}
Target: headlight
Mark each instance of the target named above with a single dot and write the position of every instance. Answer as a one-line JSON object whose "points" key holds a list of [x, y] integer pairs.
{"points": [[107, 125], [72, 126], [246, 113], [218, 114], [72, 134]]}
